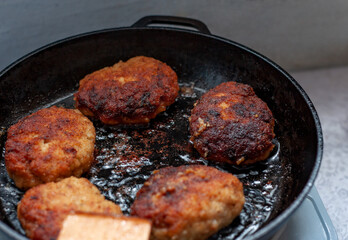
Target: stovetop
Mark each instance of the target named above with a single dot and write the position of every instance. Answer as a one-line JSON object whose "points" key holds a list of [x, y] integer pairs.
{"points": [[310, 221]]}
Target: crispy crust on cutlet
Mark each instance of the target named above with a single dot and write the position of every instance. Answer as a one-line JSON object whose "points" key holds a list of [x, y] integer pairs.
{"points": [[231, 124], [189, 202], [128, 92], [49, 145], [43, 208]]}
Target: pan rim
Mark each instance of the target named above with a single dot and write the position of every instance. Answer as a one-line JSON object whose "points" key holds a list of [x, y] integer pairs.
{"points": [[279, 220]]}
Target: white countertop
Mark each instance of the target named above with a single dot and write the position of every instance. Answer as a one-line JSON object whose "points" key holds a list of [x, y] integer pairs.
{"points": [[328, 90]]}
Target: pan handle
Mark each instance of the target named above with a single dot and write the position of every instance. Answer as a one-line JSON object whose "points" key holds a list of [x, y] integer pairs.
{"points": [[180, 21]]}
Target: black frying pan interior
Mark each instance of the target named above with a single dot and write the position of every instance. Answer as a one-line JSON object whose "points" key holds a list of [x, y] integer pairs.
{"points": [[126, 156]]}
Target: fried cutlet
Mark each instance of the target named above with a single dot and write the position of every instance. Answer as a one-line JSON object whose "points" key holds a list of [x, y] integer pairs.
{"points": [[229, 123], [189, 202], [49, 145], [44, 208], [128, 92]]}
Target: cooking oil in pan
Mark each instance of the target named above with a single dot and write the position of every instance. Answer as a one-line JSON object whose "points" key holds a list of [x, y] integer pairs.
{"points": [[126, 157]]}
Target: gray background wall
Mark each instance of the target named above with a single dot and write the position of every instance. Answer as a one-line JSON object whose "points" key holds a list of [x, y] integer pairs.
{"points": [[297, 34]]}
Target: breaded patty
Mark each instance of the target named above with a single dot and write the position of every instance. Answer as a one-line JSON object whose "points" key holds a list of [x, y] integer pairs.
{"points": [[189, 202], [128, 92], [229, 123], [43, 208], [49, 145]]}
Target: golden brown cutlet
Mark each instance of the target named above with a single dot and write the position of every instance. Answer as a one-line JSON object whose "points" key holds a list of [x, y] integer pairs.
{"points": [[188, 202], [49, 145], [43, 208]]}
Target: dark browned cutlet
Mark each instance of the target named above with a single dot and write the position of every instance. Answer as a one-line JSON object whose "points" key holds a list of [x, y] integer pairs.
{"points": [[229, 123]]}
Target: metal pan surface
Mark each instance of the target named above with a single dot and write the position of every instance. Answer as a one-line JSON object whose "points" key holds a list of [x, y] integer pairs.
{"points": [[126, 156]]}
